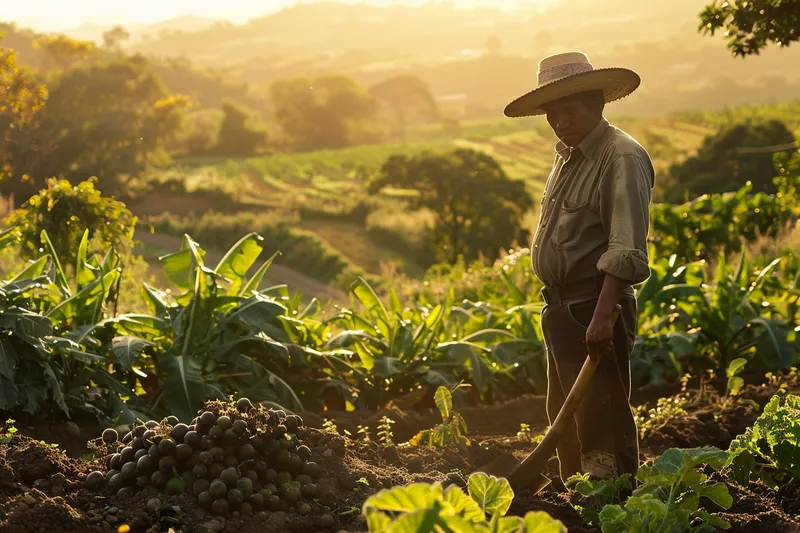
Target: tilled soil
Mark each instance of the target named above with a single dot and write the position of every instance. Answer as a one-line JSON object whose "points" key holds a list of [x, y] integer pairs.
{"points": [[42, 488]]}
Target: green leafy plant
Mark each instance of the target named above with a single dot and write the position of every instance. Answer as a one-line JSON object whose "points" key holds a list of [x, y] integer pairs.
{"points": [[594, 494], [769, 450], [385, 436], [453, 429], [668, 497], [735, 382], [430, 507]]}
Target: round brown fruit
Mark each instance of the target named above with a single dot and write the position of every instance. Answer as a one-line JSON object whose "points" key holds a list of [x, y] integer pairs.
{"points": [[193, 439], [205, 499], [216, 432], [110, 436], [224, 422], [166, 463], [166, 446], [220, 507], [95, 480], [208, 418], [235, 498], [159, 479], [115, 463], [244, 405], [179, 432], [183, 452], [239, 427], [304, 452], [127, 455]]}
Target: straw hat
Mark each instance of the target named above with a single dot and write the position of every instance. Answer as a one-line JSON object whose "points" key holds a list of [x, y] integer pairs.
{"points": [[569, 73]]}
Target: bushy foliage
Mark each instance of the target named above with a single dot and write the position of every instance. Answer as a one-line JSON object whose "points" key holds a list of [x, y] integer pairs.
{"points": [[478, 209], [64, 211], [722, 165]]}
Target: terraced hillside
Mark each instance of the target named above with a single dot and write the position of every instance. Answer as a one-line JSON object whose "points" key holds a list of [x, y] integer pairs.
{"points": [[324, 192]]}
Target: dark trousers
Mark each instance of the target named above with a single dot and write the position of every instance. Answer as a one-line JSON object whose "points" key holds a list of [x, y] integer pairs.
{"points": [[602, 438]]}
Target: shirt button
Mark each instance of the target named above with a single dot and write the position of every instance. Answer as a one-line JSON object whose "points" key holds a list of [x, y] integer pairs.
{"points": [[553, 200]]}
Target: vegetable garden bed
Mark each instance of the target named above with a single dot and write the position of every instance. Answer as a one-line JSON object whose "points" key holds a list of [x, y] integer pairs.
{"points": [[44, 489]]}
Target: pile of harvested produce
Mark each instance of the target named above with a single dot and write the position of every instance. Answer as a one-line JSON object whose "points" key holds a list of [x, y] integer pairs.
{"points": [[233, 460]]}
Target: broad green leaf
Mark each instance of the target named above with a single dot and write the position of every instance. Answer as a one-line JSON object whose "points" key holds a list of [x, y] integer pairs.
{"points": [[718, 493], [364, 353], [61, 278], [184, 386], [9, 236], [128, 349], [735, 366], [377, 521], [405, 498], [367, 296], [83, 272], [494, 495], [255, 281], [541, 522], [444, 402], [463, 505], [506, 524], [180, 266], [26, 324], [238, 259], [34, 269], [155, 298]]}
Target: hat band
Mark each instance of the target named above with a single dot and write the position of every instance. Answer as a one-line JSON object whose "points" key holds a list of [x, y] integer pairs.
{"points": [[562, 71]]}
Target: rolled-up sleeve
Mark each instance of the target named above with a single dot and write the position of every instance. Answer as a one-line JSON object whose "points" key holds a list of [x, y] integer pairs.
{"points": [[624, 201]]}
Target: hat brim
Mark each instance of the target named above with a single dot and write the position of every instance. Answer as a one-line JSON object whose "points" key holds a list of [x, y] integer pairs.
{"points": [[615, 83]]}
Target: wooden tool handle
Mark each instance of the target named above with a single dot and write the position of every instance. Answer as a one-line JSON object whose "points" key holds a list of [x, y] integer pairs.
{"points": [[536, 460]]}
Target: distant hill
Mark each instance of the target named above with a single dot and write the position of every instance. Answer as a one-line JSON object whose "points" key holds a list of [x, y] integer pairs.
{"points": [[447, 47], [143, 31], [207, 86]]}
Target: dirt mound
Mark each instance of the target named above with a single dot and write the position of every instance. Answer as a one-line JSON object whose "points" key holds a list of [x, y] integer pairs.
{"points": [[43, 489]]}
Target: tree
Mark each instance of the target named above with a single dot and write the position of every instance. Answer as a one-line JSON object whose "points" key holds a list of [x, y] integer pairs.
{"points": [[62, 50], [199, 132], [22, 98], [113, 38], [403, 94], [65, 212], [478, 209], [750, 26], [108, 120], [324, 112], [724, 162], [238, 135]]}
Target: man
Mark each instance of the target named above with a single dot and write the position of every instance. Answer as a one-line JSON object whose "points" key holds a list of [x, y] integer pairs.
{"points": [[589, 250]]}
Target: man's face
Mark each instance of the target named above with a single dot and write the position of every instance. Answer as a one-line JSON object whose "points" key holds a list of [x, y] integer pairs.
{"points": [[573, 118]]}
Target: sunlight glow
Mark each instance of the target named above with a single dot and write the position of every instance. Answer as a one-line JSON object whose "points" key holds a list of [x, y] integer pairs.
{"points": [[50, 15]]}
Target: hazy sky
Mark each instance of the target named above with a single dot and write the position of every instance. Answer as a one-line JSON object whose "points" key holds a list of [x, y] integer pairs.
{"points": [[60, 14]]}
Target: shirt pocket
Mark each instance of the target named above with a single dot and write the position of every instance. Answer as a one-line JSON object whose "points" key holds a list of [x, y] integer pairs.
{"points": [[573, 218]]}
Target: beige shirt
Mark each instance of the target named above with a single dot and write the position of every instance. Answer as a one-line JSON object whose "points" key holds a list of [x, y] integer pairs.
{"points": [[595, 211]]}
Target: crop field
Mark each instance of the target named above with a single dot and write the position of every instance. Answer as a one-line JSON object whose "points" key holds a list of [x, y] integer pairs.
{"points": [[323, 189], [230, 404], [288, 288]]}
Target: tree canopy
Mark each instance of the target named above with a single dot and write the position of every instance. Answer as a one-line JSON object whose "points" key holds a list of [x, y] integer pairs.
{"points": [[724, 163], [478, 209], [751, 25], [104, 119], [327, 112]]}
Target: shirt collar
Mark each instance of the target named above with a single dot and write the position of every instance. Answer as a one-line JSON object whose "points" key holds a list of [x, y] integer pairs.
{"points": [[588, 145]]}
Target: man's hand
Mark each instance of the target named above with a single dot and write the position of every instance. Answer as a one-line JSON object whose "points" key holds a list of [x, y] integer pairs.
{"points": [[600, 333], [600, 336]]}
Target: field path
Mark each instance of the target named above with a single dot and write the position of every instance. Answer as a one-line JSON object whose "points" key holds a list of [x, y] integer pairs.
{"points": [[306, 285]]}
